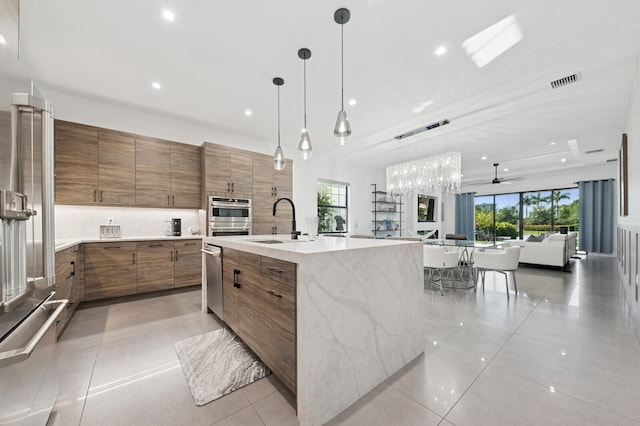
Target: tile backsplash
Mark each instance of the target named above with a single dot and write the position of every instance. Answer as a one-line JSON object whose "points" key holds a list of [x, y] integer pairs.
{"points": [[85, 221]]}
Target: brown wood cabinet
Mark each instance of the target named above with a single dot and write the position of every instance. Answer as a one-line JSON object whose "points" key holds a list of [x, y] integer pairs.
{"points": [[110, 270], [167, 174], [154, 265], [116, 168], [268, 186], [259, 296], [76, 163], [69, 282], [226, 172], [95, 166], [153, 177], [185, 176], [188, 263]]}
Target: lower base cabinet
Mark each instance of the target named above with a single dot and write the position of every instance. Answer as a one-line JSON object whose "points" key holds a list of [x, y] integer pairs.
{"points": [[110, 270], [69, 282], [124, 268], [260, 306]]}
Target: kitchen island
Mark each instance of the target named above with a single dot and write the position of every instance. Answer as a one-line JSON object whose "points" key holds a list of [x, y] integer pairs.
{"points": [[358, 313]]}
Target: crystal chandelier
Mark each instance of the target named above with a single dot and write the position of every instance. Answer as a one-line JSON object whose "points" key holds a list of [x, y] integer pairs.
{"points": [[439, 173]]}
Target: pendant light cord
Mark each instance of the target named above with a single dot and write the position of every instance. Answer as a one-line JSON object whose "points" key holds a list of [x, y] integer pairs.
{"points": [[304, 65], [278, 115], [342, 66]]}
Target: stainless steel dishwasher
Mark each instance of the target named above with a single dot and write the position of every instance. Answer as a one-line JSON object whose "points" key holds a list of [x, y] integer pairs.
{"points": [[213, 268]]}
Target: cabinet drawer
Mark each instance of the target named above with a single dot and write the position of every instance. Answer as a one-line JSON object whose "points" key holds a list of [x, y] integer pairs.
{"points": [[276, 300], [278, 270], [248, 262]]}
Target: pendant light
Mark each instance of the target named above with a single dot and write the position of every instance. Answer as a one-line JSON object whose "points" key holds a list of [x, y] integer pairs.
{"points": [[278, 158], [342, 131], [304, 147]]}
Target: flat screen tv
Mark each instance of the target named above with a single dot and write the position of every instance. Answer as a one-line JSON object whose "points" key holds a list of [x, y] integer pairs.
{"points": [[426, 208]]}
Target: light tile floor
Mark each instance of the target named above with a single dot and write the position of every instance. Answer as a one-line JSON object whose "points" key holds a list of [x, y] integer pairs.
{"points": [[564, 351]]}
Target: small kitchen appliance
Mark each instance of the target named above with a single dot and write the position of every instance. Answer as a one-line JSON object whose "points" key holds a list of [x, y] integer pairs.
{"points": [[176, 227]]}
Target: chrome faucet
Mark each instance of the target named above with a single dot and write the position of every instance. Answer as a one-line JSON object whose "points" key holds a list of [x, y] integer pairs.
{"points": [[294, 233]]}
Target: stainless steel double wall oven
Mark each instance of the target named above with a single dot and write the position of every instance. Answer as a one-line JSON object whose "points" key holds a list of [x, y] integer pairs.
{"points": [[229, 216]]}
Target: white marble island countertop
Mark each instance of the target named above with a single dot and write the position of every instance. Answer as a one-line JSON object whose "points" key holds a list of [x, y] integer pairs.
{"points": [[297, 250], [359, 310]]}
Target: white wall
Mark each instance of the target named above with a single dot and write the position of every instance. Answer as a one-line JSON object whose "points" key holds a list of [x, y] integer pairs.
{"points": [[360, 178]]}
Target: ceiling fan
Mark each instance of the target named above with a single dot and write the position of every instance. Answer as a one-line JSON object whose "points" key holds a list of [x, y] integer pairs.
{"points": [[496, 179]]}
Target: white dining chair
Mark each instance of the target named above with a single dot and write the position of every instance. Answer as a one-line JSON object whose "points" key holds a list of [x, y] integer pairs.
{"points": [[501, 261], [438, 259]]}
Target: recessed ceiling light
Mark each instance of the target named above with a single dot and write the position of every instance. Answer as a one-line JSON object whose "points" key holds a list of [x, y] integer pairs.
{"points": [[506, 170], [2, 39], [156, 85], [352, 102], [248, 113], [441, 50], [168, 15], [484, 157], [563, 160], [552, 143]]}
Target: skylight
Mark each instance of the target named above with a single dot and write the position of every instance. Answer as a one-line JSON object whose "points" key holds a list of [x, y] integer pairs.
{"points": [[493, 41]]}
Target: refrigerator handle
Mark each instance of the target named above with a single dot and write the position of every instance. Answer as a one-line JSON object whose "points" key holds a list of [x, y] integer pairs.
{"points": [[18, 355]]}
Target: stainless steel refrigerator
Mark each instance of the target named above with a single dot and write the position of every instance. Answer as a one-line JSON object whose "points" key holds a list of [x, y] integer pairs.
{"points": [[28, 380]]}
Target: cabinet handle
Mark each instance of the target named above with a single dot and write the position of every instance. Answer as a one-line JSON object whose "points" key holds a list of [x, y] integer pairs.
{"points": [[101, 195], [176, 255], [274, 269], [134, 258], [156, 245], [95, 195], [112, 248], [236, 272], [168, 200], [228, 186], [232, 189], [73, 269], [273, 293], [172, 255], [173, 200], [190, 244]]}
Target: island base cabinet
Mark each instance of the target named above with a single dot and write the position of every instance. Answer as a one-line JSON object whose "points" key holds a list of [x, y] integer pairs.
{"points": [[110, 270], [260, 306], [267, 325]]}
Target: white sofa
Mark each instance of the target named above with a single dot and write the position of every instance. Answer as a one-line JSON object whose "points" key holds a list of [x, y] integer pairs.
{"points": [[554, 250]]}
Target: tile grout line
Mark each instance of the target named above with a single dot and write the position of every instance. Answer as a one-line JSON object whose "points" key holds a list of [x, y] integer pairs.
{"points": [[498, 352]]}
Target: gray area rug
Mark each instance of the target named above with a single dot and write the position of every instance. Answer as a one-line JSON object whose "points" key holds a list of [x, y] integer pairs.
{"points": [[217, 363]]}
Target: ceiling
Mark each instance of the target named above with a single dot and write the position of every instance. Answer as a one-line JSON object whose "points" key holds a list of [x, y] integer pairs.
{"points": [[218, 59]]}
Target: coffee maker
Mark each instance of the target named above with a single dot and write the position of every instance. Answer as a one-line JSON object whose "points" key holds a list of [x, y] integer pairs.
{"points": [[176, 227]]}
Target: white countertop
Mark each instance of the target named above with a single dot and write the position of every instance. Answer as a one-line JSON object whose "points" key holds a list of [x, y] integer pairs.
{"points": [[65, 243], [297, 250]]}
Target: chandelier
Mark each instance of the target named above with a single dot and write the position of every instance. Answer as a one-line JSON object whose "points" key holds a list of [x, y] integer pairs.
{"points": [[439, 173]]}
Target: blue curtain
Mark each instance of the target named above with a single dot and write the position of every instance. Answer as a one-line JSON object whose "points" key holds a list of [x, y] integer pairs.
{"points": [[465, 214], [597, 207]]}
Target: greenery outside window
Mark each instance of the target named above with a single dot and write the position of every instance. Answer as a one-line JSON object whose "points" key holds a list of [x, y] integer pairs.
{"points": [[518, 215], [333, 206]]}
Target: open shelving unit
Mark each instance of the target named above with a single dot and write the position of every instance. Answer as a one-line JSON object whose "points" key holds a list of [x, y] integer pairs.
{"points": [[387, 213]]}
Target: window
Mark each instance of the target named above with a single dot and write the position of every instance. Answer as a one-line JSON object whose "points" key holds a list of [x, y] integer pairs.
{"points": [[519, 215], [333, 206]]}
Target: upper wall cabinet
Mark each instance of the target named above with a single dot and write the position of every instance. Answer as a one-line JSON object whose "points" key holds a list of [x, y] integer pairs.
{"points": [[93, 166], [226, 171], [167, 174], [104, 167], [185, 175]]}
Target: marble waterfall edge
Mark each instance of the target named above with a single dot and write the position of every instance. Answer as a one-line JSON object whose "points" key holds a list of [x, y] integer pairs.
{"points": [[362, 318]]}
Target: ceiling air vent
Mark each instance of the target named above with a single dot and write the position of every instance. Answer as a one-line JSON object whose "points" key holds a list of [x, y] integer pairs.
{"points": [[422, 129], [566, 80], [593, 151], [612, 160]]}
